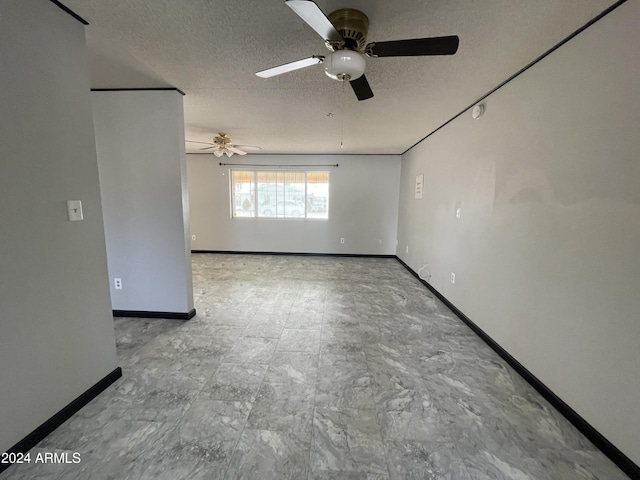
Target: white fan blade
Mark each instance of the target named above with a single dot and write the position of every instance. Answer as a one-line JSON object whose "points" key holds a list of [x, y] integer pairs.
{"points": [[236, 150], [207, 148], [289, 67], [247, 147], [204, 143], [313, 16]]}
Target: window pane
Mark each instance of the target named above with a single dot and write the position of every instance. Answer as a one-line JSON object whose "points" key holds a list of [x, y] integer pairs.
{"points": [[294, 194], [243, 187], [268, 194], [318, 195], [280, 199]]}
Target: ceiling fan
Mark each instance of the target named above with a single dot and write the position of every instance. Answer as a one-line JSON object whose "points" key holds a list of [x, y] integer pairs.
{"points": [[345, 33], [222, 146]]}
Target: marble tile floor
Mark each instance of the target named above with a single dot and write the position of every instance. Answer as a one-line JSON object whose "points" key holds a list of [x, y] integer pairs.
{"points": [[314, 368]]}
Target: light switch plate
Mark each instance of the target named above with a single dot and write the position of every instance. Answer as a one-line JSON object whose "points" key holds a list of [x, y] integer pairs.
{"points": [[74, 207]]}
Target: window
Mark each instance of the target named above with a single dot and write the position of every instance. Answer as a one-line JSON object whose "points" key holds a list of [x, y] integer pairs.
{"points": [[243, 194], [318, 194], [280, 194]]}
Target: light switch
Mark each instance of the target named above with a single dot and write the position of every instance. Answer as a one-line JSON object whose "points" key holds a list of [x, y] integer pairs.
{"points": [[74, 207]]}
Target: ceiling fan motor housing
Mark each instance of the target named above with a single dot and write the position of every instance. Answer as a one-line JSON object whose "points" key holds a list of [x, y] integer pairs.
{"points": [[222, 140], [353, 25]]}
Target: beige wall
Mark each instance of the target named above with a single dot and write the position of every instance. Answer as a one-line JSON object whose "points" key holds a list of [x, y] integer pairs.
{"points": [[546, 254]]}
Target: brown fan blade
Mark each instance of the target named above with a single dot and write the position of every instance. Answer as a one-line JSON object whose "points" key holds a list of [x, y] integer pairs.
{"points": [[414, 47], [361, 88]]}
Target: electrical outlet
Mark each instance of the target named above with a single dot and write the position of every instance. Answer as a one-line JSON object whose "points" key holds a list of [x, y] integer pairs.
{"points": [[453, 277], [117, 283], [342, 240], [193, 238], [458, 212]]}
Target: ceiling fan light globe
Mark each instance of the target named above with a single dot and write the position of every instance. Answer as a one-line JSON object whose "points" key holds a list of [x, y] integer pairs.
{"points": [[228, 152], [217, 153], [345, 65]]}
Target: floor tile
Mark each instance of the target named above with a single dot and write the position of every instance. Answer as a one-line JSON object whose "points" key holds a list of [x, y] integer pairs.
{"points": [[342, 355], [172, 468], [270, 455], [211, 429], [268, 329], [344, 388], [296, 340], [337, 334], [304, 319], [344, 475], [251, 350], [222, 336], [572, 464], [347, 439], [119, 449], [292, 367], [155, 397], [412, 460], [283, 406], [232, 381]]}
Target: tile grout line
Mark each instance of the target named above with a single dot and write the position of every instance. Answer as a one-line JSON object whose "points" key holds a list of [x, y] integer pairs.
{"points": [[382, 440], [254, 398], [315, 390]]}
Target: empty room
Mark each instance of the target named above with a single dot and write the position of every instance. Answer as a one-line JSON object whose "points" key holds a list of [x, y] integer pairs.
{"points": [[319, 240]]}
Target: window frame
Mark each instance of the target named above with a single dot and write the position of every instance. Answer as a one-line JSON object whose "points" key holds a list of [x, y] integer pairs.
{"points": [[254, 191]]}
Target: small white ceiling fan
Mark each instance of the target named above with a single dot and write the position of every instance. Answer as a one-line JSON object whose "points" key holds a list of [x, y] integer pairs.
{"points": [[222, 146]]}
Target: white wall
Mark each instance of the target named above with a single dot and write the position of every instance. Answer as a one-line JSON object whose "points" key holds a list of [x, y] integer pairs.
{"points": [[140, 145], [56, 328], [546, 252], [363, 207]]}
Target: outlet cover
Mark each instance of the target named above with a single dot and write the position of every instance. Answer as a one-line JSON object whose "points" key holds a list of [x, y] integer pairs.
{"points": [[453, 277]]}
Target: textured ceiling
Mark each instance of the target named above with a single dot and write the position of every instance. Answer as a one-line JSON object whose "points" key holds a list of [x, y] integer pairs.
{"points": [[210, 49]]}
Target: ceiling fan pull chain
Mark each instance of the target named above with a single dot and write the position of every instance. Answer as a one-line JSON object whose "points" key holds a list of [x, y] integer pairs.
{"points": [[342, 120]]}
